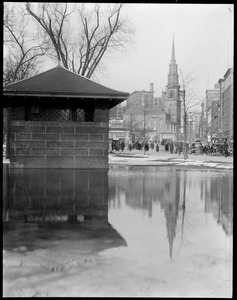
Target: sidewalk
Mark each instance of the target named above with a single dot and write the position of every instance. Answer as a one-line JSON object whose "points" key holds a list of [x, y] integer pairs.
{"points": [[163, 157], [153, 158]]}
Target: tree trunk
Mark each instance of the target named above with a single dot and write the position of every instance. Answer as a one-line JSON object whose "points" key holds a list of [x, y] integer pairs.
{"points": [[185, 136], [144, 134]]}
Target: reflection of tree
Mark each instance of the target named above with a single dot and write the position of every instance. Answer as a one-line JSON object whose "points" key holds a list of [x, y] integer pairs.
{"points": [[183, 206]]}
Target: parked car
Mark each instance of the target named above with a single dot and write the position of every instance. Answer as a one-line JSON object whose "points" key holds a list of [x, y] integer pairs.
{"points": [[196, 148], [218, 148]]}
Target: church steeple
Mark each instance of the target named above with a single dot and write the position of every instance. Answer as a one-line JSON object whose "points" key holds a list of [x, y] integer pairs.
{"points": [[173, 70], [172, 101], [173, 53]]}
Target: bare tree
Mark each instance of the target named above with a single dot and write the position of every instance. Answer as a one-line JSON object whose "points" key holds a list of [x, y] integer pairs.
{"points": [[131, 124], [22, 54], [188, 101], [22, 51], [146, 112], [53, 17], [82, 46]]}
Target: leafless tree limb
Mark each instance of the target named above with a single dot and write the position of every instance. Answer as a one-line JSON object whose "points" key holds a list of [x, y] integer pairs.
{"points": [[97, 33]]}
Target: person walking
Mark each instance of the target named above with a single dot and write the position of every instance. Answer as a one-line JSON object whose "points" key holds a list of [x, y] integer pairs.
{"points": [[225, 148], [130, 146], [157, 147], [171, 147], [139, 146], [179, 146], [122, 145], [152, 145], [146, 146]]}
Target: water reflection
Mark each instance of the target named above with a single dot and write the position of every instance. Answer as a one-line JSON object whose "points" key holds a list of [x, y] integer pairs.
{"points": [[143, 187], [160, 231], [54, 199]]}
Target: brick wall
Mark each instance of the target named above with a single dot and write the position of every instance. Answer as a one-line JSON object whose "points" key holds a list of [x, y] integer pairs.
{"points": [[41, 144]]}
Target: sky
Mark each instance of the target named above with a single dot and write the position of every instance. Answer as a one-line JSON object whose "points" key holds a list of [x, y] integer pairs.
{"points": [[203, 37]]}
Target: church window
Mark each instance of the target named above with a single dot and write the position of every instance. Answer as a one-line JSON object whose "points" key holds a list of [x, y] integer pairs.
{"points": [[171, 93]]}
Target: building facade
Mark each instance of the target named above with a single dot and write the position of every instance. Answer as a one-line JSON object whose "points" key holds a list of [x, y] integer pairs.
{"points": [[211, 95], [193, 126], [215, 117], [153, 120], [141, 98], [228, 104]]}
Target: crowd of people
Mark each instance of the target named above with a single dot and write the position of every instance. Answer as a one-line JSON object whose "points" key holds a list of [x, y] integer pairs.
{"points": [[137, 145], [172, 147], [208, 148]]}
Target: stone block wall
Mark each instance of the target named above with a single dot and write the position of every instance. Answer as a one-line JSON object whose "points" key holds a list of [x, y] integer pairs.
{"points": [[41, 144]]}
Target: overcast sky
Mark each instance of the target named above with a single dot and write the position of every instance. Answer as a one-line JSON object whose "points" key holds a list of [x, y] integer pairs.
{"points": [[203, 35]]}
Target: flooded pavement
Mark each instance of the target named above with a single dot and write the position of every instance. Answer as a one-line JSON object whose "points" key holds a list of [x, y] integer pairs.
{"points": [[132, 231]]}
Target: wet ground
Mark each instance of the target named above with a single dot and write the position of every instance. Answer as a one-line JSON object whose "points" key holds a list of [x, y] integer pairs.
{"points": [[134, 231]]}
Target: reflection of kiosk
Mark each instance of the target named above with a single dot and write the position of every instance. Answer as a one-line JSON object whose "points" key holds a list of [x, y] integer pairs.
{"points": [[59, 119], [58, 199]]}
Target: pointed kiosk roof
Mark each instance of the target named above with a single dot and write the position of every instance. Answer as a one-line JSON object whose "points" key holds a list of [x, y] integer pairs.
{"points": [[60, 82]]}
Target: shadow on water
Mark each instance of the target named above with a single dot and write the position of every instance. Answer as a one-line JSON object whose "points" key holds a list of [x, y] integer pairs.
{"points": [[41, 206]]}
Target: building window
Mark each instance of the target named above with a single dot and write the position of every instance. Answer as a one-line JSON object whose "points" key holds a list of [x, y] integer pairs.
{"points": [[171, 93]]}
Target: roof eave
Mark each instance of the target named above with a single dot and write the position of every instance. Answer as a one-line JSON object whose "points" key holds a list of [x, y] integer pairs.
{"points": [[65, 95]]}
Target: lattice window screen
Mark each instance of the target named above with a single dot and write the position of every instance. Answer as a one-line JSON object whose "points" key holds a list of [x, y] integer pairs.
{"points": [[59, 114]]}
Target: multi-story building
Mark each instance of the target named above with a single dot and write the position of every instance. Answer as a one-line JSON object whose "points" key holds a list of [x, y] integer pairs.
{"points": [[211, 95], [116, 112], [116, 129], [215, 116], [151, 119], [193, 128], [203, 125], [157, 101], [221, 119], [228, 104], [141, 98]]}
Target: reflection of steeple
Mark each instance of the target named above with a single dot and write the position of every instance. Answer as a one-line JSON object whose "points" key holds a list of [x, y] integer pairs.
{"points": [[171, 205], [171, 214]]}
